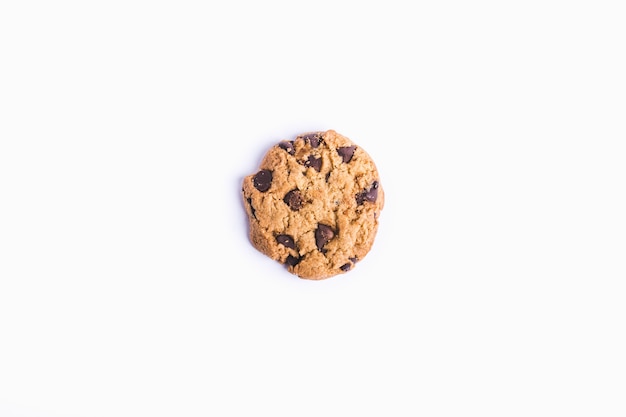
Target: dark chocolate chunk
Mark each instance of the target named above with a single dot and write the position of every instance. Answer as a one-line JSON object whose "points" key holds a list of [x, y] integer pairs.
{"points": [[354, 260], [313, 162], [345, 267], [252, 210], [323, 235], [263, 180], [293, 199], [346, 153], [369, 194], [372, 193], [286, 241], [292, 260], [288, 146], [314, 139]]}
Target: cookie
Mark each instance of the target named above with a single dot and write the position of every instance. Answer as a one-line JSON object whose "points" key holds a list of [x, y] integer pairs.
{"points": [[314, 204]]}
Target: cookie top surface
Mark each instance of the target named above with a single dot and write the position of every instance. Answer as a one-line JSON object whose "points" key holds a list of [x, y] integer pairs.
{"points": [[314, 204]]}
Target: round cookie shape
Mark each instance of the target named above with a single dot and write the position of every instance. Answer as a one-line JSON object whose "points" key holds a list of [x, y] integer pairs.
{"points": [[314, 204]]}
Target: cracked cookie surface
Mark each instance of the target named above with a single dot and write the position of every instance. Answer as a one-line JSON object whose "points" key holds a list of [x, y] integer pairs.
{"points": [[314, 204]]}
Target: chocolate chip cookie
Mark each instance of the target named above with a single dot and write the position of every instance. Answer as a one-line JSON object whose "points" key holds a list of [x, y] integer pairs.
{"points": [[314, 204]]}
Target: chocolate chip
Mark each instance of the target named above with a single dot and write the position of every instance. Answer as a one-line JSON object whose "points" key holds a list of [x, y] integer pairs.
{"points": [[348, 266], [288, 146], [347, 152], [293, 199], [372, 194], [313, 162], [314, 138], [292, 260], [263, 180], [323, 235], [252, 210], [286, 241], [369, 194]]}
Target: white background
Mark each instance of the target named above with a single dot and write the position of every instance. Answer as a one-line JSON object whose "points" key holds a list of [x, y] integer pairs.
{"points": [[496, 286]]}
